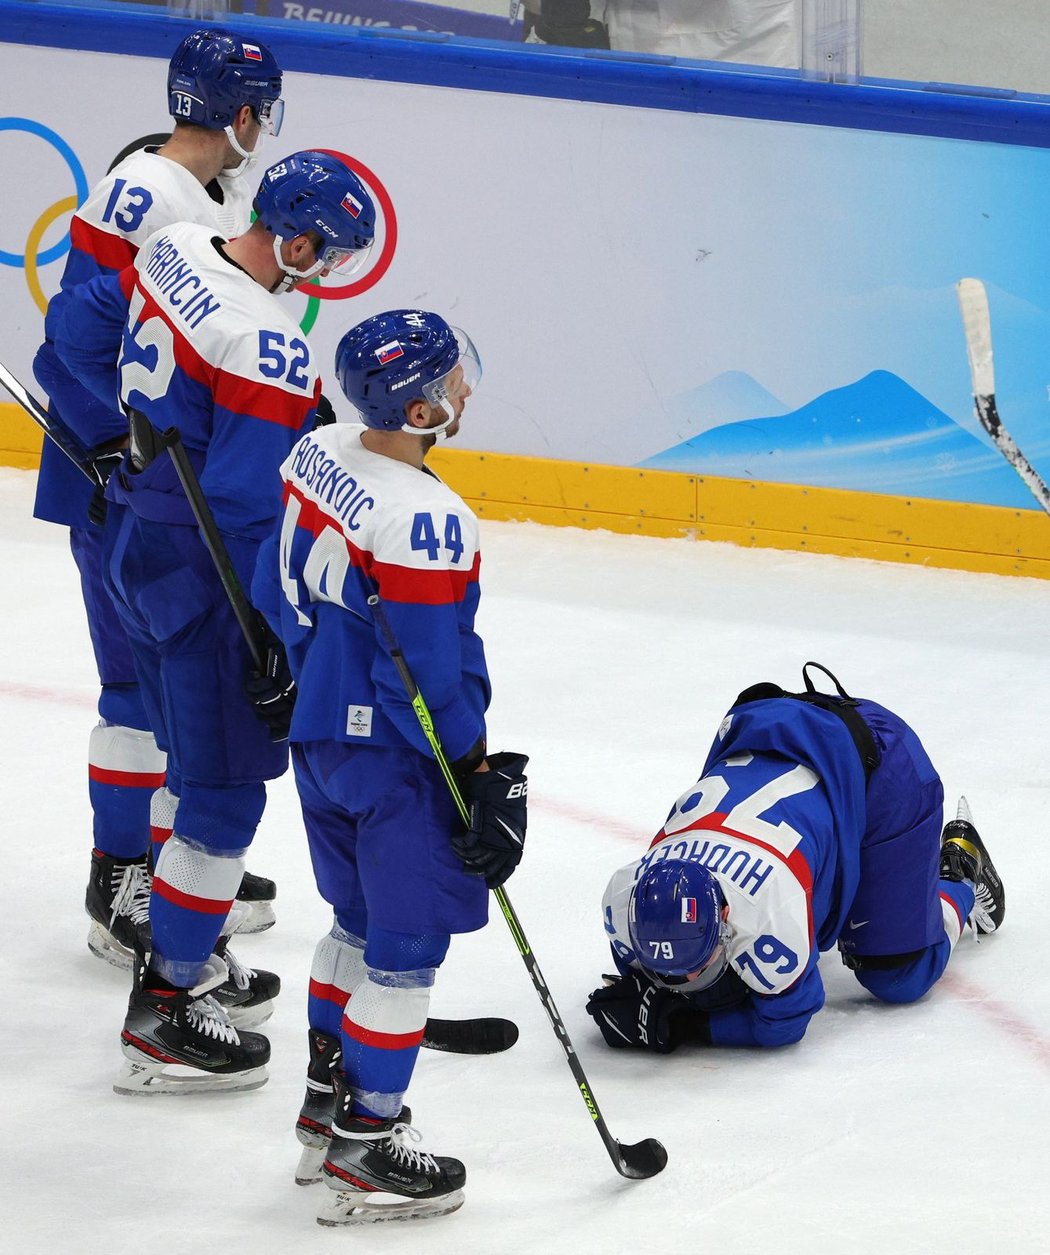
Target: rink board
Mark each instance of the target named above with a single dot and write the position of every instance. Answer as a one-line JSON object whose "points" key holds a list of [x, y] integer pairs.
{"points": [[957, 536], [732, 339]]}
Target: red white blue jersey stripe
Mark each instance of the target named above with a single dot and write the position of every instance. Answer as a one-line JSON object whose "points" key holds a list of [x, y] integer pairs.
{"points": [[356, 523], [209, 350]]}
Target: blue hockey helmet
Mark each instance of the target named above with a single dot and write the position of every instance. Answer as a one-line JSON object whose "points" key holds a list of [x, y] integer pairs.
{"points": [[675, 924], [397, 357], [214, 72], [316, 192]]}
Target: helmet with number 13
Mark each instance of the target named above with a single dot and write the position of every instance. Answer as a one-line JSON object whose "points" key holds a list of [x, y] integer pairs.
{"points": [[213, 74]]}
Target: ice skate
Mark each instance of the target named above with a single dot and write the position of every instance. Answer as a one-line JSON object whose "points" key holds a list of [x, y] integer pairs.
{"points": [[247, 994], [182, 1042], [964, 856], [117, 901], [314, 1125], [257, 894], [377, 1175]]}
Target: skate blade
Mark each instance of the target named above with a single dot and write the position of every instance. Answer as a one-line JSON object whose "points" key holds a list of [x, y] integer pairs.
{"points": [[309, 1170], [105, 946], [356, 1207], [248, 1017], [259, 917], [143, 1077]]}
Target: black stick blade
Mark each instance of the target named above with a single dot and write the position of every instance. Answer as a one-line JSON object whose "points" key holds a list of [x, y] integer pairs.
{"points": [[643, 1159], [482, 1036]]}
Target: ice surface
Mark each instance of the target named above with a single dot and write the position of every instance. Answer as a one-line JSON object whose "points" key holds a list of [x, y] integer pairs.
{"points": [[904, 1129]]}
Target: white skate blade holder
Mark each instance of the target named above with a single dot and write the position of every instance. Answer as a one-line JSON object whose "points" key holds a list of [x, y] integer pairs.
{"points": [[310, 1160], [359, 1207], [244, 917], [146, 1077], [255, 917], [105, 946]]}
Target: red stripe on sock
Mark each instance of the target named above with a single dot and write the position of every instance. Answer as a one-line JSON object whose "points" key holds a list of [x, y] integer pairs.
{"points": [[206, 906], [384, 1041], [329, 993], [160, 835], [945, 898], [128, 779]]}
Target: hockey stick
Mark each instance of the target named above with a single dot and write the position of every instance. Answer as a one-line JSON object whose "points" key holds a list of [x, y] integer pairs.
{"points": [[977, 323], [643, 1159], [39, 415], [146, 444], [480, 1036]]}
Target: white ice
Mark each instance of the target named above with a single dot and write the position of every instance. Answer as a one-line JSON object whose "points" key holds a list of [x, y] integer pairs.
{"points": [[904, 1129]]}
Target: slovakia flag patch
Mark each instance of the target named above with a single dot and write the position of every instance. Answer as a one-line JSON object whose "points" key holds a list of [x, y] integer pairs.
{"points": [[353, 207], [389, 352], [689, 910], [252, 52]]}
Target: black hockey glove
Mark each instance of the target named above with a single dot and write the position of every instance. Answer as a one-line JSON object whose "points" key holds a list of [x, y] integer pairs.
{"points": [[272, 691], [632, 1012], [324, 414], [103, 465], [497, 803]]}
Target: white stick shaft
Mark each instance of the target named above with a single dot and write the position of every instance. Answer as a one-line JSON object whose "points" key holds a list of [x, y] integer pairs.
{"points": [[977, 323]]}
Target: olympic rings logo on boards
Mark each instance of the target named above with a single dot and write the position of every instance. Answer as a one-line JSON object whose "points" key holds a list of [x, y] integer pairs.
{"points": [[32, 257]]}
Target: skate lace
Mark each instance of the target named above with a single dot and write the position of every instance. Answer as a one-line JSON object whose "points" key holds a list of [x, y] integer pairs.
{"points": [[985, 897], [983, 912], [205, 1016], [240, 973], [132, 896], [416, 1160]]}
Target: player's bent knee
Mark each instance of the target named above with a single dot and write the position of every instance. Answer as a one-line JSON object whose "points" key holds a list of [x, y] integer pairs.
{"points": [[901, 978]]}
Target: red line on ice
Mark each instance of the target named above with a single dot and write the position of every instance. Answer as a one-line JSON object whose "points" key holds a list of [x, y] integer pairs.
{"points": [[1000, 1014]]}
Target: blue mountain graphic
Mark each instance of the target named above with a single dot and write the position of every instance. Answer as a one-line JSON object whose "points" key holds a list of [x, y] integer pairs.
{"points": [[875, 435], [731, 397]]}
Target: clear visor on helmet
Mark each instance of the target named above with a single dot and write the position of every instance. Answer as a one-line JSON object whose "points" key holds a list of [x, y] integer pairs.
{"points": [[705, 977], [462, 379], [270, 114], [346, 260]]}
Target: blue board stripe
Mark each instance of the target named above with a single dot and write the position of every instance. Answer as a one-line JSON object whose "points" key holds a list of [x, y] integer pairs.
{"points": [[649, 82]]}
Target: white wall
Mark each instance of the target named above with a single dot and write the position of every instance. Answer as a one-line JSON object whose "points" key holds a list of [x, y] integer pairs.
{"points": [[994, 43]]}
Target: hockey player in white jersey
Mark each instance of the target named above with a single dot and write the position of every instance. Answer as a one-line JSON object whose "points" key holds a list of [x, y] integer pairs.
{"points": [[816, 822], [224, 92], [364, 515], [207, 348]]}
